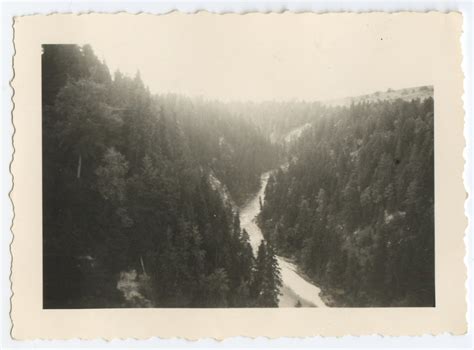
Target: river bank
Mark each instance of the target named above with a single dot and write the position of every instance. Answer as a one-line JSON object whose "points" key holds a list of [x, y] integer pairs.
{"points": [[296, 289]]}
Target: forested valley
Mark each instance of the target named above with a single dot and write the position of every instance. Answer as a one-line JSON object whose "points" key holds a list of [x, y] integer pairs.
{"points": [[142, 195], [128, 196]]}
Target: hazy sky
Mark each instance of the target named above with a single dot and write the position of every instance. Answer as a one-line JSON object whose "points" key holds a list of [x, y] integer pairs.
{"points": [[275, 56]]}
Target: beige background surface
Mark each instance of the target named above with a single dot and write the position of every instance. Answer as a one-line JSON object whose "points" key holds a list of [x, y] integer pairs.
{"points": [[441, 39]]}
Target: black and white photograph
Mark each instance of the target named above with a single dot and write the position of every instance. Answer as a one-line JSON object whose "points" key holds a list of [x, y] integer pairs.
{"points": [[217, 179]]}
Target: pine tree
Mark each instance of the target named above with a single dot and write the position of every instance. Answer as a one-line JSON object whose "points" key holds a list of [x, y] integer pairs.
{"points": [[267, 278]]}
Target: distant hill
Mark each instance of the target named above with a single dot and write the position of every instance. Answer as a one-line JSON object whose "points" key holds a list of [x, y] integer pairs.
{"points": [[408, 94]]}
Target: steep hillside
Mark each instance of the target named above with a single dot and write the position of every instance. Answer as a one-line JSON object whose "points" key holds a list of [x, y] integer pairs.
{"points": [[132, 212], [355, 207]]}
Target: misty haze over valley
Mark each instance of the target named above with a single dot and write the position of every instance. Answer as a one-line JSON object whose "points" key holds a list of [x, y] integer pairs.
{"points": [[166, 200]]}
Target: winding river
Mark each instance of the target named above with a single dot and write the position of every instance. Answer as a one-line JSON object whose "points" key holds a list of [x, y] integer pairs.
{"points": [[295, 288]]}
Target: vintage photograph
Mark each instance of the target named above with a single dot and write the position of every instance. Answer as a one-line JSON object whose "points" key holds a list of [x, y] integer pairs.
{"points": [[163, 189], [202, 175]]}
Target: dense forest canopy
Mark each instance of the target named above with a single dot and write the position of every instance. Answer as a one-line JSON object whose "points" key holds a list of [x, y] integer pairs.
{"points": [[126, 188], [141, 194], [355, 207], [233, 146]]}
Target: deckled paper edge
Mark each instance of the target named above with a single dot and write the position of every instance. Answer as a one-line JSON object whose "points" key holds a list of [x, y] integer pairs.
{"points": [[283, 11]]}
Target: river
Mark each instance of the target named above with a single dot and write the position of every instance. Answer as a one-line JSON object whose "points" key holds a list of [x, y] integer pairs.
{"points": [[295, 288]]}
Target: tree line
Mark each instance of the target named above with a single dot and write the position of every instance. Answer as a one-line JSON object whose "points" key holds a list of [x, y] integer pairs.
{"points": [[126, 186]]}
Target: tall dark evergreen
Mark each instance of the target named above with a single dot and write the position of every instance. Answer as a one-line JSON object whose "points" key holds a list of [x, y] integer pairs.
{"points": [[267, 279]]}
